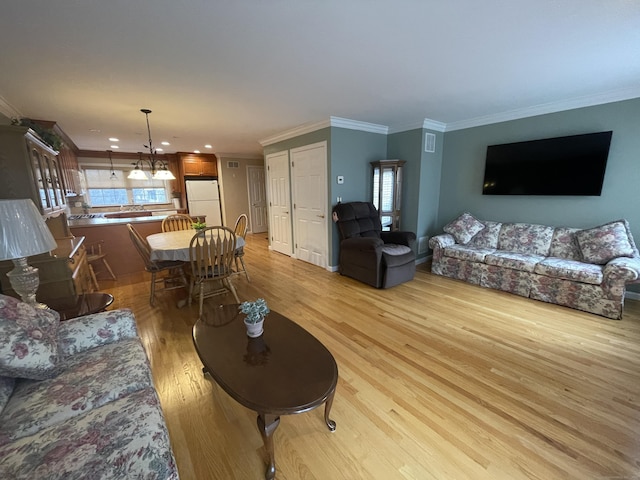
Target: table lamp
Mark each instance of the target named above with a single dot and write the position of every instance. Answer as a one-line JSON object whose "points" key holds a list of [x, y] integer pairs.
{"points": [[23, 233]]}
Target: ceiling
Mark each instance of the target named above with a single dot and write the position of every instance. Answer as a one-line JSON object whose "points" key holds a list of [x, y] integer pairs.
{"points": [[233, 73]]}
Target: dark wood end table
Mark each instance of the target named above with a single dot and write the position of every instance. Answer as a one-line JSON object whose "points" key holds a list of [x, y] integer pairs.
{"points": [[283, 372], [86, 304]]}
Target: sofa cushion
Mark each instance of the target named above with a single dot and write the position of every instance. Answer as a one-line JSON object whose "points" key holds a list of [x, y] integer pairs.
{"points": [[525, 238], [28, 340], [488, 236], [464, 228], [6, 388], [124, 439], [466, 252], [88, 380], [606, 242], [570, 270], [564, 244], [514, 261]]}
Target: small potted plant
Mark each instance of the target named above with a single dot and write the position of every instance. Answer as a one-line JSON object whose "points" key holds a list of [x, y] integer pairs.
{"points": [[199, 226], [255, 313]]}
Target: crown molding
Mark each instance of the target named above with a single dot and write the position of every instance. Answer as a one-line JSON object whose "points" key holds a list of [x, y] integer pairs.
{"points": [[546, 108], [426, 124], [337, 122], [8, 110], [240, 156]]}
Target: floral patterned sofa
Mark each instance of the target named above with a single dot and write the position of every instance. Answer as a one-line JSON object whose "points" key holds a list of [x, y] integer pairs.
{"points": [[582, 269], [77, 399]]}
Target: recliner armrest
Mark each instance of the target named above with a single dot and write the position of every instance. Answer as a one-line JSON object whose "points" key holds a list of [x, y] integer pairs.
{"points": [[399, 238]]}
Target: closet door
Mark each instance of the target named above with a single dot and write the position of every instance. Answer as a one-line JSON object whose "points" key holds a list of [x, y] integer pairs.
{"points": [[309, 174], [279, 202]]}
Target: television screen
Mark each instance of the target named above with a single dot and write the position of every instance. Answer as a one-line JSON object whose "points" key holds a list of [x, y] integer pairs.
{"points": [[571, 165]]}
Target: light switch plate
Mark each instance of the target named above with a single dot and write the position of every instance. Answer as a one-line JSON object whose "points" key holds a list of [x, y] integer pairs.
{"points": [[340, 179]]}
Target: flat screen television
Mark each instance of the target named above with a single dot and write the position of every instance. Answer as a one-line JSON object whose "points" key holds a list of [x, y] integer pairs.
{"points": [[571, 165]]}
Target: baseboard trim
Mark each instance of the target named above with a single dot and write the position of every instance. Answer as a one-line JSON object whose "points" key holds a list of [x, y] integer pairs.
{"points": [[632, 295]]}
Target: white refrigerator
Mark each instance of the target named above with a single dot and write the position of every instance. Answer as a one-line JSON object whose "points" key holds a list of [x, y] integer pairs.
{"points": [[203, 198]]}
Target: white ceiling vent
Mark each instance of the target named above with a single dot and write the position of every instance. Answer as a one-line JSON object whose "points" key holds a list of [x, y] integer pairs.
{"points": [[430, 142], [233, 164]]}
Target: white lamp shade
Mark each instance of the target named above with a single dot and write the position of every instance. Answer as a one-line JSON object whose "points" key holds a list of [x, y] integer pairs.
{"points": [[137, 174], [23, 231], [163, 175]]}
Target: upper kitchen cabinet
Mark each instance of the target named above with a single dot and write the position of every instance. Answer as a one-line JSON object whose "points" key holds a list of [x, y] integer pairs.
{"points": [[201, 164], [30, 169]]}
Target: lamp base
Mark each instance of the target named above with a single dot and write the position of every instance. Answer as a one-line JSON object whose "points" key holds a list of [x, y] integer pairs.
{"points": [[25, 281]]}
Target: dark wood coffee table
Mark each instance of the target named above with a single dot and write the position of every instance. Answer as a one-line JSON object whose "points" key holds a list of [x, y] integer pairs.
{"points": [[283, 372]]}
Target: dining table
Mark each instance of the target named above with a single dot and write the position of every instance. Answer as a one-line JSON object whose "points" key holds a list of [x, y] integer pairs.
{"points": [[175, 245]]}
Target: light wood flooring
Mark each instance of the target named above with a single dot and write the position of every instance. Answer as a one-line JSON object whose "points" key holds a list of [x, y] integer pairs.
{"points": [[438, 380]]}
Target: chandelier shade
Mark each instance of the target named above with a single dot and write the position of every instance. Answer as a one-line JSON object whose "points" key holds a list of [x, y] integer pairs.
{"points": [[159, 168]]}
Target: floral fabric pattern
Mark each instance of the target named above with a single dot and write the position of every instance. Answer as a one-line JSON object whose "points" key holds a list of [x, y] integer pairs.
{"points": [[564, 244], [464, 228], [464, 252], [525, 238], [87, 381], [83, 333], [122, 440], [488, 236], [28, 340], [604, 243], [543, 263], [6, 389], [570, 270]]}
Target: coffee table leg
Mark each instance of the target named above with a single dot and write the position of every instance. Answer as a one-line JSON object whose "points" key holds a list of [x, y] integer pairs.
{"points": [[267, 424], [327, 408]]}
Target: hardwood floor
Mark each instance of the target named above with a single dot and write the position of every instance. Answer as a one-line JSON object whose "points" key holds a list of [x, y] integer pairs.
{"points": [[438, 380]]}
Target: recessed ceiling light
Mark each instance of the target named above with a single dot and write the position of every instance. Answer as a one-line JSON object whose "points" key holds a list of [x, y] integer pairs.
{"points": [[196, 151], [208, 146], [94, 130], [159, 150], [115, 146], [165, 143], [114, 139]]}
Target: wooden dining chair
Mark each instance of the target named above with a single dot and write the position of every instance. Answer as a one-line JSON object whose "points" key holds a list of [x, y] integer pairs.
{"points": [[96, 256], [240, 230], [177, 221], [211, 253], [175, 278]]}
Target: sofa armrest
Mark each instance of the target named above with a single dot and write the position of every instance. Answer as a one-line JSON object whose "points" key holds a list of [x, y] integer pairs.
{"points": [[399, 238], [626, 269], [82, 333], [441, 241]]}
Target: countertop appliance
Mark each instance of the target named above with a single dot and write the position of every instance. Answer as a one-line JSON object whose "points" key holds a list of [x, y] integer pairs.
{"points": [[203, 198]]}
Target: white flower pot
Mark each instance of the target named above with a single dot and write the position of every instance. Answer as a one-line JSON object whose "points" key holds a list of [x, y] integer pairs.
{"points": [[254, 329]]}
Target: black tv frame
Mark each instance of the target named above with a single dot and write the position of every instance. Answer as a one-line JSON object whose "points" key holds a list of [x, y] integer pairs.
{"points": [[568, 165]]}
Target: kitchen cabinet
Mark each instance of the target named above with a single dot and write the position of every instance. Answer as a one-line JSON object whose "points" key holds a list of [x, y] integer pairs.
{"points": [[30, 169], [198, 164]]}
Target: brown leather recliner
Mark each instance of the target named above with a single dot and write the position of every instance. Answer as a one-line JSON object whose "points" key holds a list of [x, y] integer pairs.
{"points": [[380, 259]]}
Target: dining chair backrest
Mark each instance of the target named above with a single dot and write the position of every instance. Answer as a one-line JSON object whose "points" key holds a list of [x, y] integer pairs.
{"points": [[178, 221], [142, 246], [241, 226], [211, 252]]}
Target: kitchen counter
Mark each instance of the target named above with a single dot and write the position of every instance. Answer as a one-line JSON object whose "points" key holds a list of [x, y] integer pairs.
{"points": [[99, 221]]}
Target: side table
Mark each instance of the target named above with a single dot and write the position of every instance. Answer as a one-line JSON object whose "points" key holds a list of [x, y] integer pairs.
{"points": [[87, 304]]}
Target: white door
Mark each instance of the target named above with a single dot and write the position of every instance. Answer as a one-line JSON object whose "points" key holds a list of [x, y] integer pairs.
{"points": [[279, 202], [257, 199], [309, 167]]}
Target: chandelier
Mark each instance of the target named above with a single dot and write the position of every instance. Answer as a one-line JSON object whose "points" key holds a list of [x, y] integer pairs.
{"points": [[159, 169]]}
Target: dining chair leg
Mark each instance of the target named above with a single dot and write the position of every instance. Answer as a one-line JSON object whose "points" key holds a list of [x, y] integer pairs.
{"points": [[94, 280], [232, 288], [244, 268], [106, 264], [152, 296], [201, 299]]}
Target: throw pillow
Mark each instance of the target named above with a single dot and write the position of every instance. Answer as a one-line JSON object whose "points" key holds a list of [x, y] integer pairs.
{"points": [[28, 340], [600, 244], [464, 228]]}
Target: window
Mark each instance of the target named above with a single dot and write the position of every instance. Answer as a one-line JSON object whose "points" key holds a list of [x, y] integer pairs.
{"points": [[103, 190]]}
